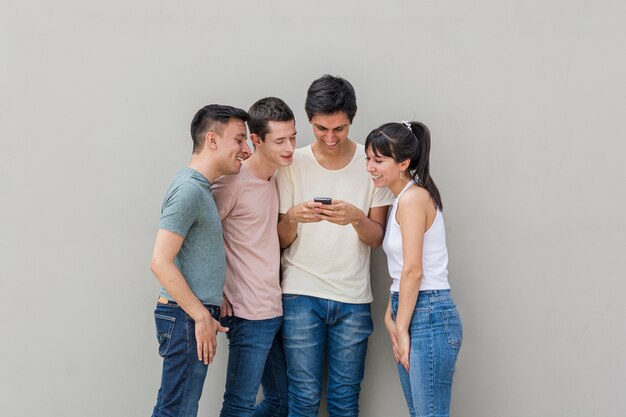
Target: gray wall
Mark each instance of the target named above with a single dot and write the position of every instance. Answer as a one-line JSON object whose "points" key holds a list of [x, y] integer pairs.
{"points": [[526, 103]]}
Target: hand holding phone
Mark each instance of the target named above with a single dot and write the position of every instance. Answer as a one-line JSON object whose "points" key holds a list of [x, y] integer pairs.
{"points": [[323, 200]]}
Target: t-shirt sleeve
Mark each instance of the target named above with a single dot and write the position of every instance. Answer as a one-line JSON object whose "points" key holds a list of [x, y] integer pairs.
{"points": [[224, 193], [284, 182], [382, 197], [180, 210]]}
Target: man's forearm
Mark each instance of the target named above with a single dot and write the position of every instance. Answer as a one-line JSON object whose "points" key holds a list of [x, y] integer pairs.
{"points": [[176, 286], [287, 230], [370, 232]]}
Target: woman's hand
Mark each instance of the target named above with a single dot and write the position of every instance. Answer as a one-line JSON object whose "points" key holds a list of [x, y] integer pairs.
{"points": [[391, 329], [404, 348]]}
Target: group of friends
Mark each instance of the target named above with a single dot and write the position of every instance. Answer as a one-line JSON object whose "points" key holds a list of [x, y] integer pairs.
{"points": [[272, 247]]}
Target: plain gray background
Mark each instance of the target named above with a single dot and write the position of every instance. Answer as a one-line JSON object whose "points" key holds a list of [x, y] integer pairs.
{"points": [[526, 104]]}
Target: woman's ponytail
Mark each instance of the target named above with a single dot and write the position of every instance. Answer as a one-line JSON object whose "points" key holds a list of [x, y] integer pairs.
{"points": [[419, 166]]}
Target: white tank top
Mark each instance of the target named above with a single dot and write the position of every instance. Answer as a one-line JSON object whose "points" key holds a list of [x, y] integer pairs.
{"points": [[434, 256]]}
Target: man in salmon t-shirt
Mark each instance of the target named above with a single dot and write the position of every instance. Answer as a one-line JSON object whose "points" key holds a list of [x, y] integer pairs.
{"points": [[252, 310]]}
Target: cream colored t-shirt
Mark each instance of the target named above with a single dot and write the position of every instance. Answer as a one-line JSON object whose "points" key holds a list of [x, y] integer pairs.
{"points": [[248, 207], [328, 260]]}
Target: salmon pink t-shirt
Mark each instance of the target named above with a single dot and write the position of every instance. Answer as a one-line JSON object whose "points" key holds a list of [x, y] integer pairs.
{"points": [[248, 207]]}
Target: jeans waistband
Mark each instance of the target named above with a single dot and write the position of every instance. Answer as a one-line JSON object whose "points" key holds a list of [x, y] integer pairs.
{"points": [[213, 310], [429, 296]]}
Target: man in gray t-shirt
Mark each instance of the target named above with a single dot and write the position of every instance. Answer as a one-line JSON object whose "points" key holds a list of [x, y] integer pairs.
{"points": [[189, 261], [190, 211]]}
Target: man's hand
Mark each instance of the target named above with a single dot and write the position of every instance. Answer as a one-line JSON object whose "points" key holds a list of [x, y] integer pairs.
{"points": [[227, 308], [341, 212], [206, 342], [307, 212], [166, 247]]}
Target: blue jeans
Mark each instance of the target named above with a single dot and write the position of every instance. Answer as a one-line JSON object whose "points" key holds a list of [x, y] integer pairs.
{"points": [[436, 335], [183, 374], [312, 329], [255, 357]]}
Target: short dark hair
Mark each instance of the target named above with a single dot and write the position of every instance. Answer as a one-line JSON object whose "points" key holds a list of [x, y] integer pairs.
{"points": [[330, 94], [268, 109], [212, 117]]}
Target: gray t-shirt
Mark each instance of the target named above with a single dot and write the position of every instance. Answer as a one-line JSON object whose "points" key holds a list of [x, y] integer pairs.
{"points": [[189, 211]]}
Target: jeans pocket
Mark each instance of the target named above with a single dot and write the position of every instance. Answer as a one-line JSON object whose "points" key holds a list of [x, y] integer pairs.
{"points": [[164, 330], [454, 328]]}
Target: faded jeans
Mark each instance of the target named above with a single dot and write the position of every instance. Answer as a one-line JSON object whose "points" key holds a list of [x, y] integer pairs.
{"points": [[436, 335], [315, 328]]}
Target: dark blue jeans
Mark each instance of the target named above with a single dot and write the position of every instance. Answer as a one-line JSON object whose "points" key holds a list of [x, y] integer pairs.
{"points": [[315, 328], [255, 358], [436, 335], [183, 374]]}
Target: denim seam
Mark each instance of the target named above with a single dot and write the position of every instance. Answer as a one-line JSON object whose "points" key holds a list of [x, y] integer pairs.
{"points": [[242, 324], [187, 379], [432, 365], [187, 334], [241, 327], [330, 313], [456, 343], [269, 358], [161, 316], [273, 368]]}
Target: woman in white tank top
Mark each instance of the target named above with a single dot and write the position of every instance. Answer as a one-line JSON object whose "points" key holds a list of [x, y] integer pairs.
{"points": [[421, 318]]}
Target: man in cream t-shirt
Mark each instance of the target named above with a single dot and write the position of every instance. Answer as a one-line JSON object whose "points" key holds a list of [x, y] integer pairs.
{"points": [[248, 206], [326, 280]]}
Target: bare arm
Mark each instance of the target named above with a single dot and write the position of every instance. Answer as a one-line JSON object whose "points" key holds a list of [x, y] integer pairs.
{"points": [[391, 329], [412, 215], [370, 228], [166, 248]]}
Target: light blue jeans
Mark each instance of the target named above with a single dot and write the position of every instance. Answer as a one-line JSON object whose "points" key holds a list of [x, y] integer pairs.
{"points": [[315, 328], [436, 334]]}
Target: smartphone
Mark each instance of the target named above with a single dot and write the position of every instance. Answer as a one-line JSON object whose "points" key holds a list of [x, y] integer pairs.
{"points": [[323, 200]]}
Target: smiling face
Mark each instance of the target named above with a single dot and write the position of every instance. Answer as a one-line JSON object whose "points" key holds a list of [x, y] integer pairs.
{"points": [[232, 146], [385, 171], [331, 131], [279, 143]]}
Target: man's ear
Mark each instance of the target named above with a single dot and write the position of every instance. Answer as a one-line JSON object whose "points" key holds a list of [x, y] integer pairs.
{"points": [[256, 139], [210, 140]]}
